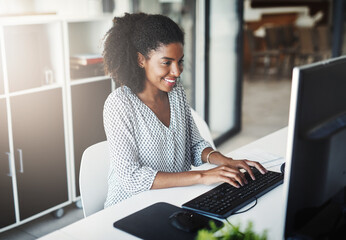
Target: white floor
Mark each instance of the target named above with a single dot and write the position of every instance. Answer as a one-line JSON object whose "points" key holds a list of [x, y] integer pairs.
{"points": [[265, 110]]}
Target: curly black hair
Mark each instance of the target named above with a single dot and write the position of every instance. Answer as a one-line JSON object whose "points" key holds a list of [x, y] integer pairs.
{"points": [[133, 33]]}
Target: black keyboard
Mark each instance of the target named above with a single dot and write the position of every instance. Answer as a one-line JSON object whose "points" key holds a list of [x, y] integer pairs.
{"points": [[224, 200]]}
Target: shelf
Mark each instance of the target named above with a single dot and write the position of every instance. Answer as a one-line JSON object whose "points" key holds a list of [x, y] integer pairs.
{"points": [[88, 80], [103, 17], [35, 90], [28, 20], [50, 17]]}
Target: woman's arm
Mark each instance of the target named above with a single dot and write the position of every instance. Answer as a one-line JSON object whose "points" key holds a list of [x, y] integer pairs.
{"points": [[215, 175], [228, 171], [219, 159]]}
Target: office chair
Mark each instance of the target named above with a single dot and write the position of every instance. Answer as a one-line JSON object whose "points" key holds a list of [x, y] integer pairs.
{"points": [[203, 128], [324, 41], [93, 174], [307, 51], [267, 56], [289, 47]]}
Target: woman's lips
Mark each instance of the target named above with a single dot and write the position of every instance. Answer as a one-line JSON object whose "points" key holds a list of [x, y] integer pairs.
{"points": [[170, 81]]}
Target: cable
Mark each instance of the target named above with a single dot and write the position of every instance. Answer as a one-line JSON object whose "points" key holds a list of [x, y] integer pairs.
{"points": [[234, 227], [229, 222], [248, 208], [242, 212]]}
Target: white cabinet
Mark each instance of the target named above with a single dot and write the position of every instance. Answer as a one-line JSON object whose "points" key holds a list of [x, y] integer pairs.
{"points": [[33, 153], [47, 118]]}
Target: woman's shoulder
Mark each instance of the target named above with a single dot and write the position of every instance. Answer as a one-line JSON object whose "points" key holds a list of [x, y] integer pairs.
{"points": [[119, 98]]}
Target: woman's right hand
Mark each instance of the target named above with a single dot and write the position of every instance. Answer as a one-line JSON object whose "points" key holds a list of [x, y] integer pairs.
{"points": [[224, 173]]}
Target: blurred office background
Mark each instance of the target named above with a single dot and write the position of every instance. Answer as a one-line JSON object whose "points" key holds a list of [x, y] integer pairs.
{"points": [[239, 57]]}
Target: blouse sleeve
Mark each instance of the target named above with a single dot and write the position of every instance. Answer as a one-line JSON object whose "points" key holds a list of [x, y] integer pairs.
{"points": [[125, 169]]}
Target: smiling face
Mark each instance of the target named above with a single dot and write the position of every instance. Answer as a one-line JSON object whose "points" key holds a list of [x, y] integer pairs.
{"points": [[162, 67]]}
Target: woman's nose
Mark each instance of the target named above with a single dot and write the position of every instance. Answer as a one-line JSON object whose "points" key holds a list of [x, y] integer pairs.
{"points": [[176, 70]]}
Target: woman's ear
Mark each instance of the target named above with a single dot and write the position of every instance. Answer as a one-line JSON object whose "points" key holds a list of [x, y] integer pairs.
{"points": [[140, 60]]}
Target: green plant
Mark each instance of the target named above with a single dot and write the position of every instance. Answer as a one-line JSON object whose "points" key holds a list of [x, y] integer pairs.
{"points": [[230, 232]]}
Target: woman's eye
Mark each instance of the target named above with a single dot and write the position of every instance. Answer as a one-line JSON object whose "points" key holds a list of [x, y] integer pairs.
{"points": [[166, 63], [181, 62]]}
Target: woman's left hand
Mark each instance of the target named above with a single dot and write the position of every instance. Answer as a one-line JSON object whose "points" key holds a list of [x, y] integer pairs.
{"points": [[217, 158], [246, 165]]}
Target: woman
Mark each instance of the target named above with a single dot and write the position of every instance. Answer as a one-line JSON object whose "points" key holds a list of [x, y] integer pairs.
{"points": [[152, 137]]}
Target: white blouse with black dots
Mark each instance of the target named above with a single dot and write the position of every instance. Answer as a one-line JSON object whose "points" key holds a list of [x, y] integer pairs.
{"points": [[141, 145]]}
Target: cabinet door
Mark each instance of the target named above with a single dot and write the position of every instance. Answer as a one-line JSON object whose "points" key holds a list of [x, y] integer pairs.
{"points": [[6, 188], [87, 113], [39, 149]]}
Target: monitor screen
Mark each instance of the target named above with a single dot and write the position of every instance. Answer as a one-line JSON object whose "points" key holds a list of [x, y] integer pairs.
{"points": [[316, 149]]}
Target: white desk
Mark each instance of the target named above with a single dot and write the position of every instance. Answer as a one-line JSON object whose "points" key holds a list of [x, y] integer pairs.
{"points": [[267, 214]]}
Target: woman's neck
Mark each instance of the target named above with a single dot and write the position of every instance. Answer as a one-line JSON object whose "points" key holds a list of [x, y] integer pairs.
{"points": [[152, 96], [158, 102]]}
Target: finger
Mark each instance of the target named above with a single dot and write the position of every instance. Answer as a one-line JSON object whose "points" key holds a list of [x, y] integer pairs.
{"points": [[244, 165], [248, 169], [237, 176], [257, 165], [231, 182]]}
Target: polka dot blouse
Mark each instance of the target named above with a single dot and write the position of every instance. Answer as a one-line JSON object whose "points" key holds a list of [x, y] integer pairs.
{"points": [[141, 145]]}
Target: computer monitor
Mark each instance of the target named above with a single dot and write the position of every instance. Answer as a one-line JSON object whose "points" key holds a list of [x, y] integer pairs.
{"points": [[315, 176]]}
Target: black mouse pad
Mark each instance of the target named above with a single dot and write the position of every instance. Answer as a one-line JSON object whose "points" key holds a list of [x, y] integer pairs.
{"points": [[153, 223]]}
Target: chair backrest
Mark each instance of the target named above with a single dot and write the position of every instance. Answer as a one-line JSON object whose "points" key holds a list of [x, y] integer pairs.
{"points": [[93, 176], [273, 37], [306, 40], [251, 40], [323, 38], [288, 36], [202, 127]]}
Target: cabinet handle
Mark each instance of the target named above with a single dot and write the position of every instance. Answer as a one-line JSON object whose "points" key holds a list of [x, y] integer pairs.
{"points": [[21, 165], [9, 164]]}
